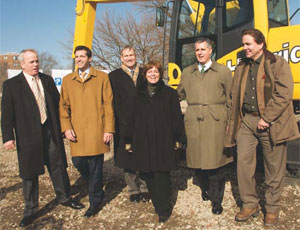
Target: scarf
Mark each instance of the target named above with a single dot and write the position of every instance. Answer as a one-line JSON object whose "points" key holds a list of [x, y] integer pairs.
{"points": [[129, 72]]}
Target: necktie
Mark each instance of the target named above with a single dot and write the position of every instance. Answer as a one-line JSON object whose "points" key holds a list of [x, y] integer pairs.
{"points": [[40, 99], [202, 69], [82, 75]]}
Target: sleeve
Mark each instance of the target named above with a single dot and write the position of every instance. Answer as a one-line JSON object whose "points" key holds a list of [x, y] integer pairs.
{"points": [[64, 108], [283, 92], [109, 118], [7, 114], [180, 88], [177, 119], [227, 90]]}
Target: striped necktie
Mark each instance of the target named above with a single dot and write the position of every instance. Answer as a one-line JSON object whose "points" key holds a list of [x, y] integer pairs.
{"points": [[40, 99], [202, 69]]}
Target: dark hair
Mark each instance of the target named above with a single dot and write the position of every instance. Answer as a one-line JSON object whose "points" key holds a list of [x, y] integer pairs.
{"points": [[258, 36], [150, 65], [88, 51], [203, 39]]}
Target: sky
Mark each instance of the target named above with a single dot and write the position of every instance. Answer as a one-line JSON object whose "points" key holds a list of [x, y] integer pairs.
{"points": [[43, 24]]}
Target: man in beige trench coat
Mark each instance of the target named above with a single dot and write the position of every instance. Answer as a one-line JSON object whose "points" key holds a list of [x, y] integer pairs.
{"points": [[262, 111], [87, 120], [206, 86]]}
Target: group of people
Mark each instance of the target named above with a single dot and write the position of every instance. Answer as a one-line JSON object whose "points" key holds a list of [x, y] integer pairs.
{"points": [[133, 106]]}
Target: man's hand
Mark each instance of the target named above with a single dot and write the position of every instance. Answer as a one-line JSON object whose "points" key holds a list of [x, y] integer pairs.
{"points": [[9, 145], [107, 137], [262, 125], [70, 134]]}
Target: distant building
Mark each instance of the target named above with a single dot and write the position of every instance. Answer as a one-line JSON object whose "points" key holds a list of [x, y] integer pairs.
{"points": [[10, 60]]}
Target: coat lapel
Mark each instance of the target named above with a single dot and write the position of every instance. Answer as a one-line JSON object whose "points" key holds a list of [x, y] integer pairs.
{"points": [[243, 85], [260, 84]]}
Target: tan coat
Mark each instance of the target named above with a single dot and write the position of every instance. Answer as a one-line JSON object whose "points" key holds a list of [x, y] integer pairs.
{"points": [[207, 114], [274, 97], [86, 107]]}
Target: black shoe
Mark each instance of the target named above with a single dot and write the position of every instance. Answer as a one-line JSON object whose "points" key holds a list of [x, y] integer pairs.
{"points": [[135, 198], [205, 196], [27, 220], [217, 208], [162, 218], [92, 211], [73, 204], [145, 196]]}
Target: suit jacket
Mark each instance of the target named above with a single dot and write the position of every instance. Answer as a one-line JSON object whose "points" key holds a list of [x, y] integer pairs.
{"points": [[20, 121], [274, 98], [124, 92]]}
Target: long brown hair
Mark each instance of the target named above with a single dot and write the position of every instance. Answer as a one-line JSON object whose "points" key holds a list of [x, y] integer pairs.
{"points": [[257, 35]]}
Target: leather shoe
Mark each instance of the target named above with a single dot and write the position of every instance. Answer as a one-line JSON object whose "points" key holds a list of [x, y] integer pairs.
{"points": [[163, 218], [92, 211], [271, 219], [135, 198], [73, 204], [145, 196], [27, 220], [246, 213], [205, 196], [217, 208]]}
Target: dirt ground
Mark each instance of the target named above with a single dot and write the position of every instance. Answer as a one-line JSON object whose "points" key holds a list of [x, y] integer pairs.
{"points": [[189, 211]]}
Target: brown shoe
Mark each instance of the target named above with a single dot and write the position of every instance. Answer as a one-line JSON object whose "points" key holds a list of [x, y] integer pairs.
{"points": [[246, 213], [271, 219]]}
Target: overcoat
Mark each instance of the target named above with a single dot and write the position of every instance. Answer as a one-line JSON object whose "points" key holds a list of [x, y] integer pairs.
{"points": [[274, 86], [206, 115], [21, 121], [124, 94], [158, 125], [87, 108]]}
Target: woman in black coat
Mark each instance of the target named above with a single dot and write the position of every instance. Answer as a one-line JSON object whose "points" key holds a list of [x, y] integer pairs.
{"points": [[158, 127]]}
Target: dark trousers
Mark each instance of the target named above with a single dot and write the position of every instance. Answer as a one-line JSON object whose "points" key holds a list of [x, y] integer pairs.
{"points": [[212, 181], [57, 172], [159, 186], [91, 169]]}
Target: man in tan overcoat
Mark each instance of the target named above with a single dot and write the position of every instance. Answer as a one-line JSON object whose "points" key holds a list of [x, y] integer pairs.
{"points": [[206, 86], [262, 112], [87, 120]]}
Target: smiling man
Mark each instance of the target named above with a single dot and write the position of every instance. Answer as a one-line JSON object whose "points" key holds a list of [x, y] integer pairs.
{"points": [[262, 112], [124, 82], [206, 86], [30, 116], [87, 120]]}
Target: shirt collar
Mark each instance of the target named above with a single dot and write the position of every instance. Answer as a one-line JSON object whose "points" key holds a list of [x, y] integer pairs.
{"points": [[29, 76], [207, 65], [87, 71]]}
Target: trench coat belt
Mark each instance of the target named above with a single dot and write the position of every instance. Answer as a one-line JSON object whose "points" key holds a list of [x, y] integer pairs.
{"points": [[213, 113]]}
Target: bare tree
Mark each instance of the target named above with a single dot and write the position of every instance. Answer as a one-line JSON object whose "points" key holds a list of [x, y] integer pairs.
{"points": [[112, 32], [47, 62]]}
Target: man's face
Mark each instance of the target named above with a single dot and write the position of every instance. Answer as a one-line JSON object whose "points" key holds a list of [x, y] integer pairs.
{"points": [[202, 52], [128, 58], [251, 48], [30, 63], [82, 60]]}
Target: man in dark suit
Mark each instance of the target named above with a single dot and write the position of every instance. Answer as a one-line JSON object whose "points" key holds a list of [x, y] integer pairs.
{"points": [[30, 117], [123, 83]]}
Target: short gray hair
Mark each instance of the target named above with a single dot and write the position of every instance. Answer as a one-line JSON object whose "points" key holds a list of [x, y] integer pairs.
{"points": [[203, 39], [21, 55], [129, 47]]}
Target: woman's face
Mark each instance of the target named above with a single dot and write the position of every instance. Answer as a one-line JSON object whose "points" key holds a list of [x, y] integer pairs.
{"points": [[152, 75]]}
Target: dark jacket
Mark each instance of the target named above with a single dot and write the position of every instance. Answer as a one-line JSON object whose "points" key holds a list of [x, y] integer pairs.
{"points": [[21, 121], [124, 94], [158, 124], [274, 97]]}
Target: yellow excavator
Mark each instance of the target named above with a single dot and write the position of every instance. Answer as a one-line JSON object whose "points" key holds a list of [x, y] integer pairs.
{"points": [[223, 22]]}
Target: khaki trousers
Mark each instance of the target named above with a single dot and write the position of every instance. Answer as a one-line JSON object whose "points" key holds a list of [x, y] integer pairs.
{"points": [[274, 164]]}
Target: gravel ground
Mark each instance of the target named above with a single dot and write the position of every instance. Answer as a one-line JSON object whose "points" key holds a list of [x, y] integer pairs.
{"points": [[189, 211]]}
